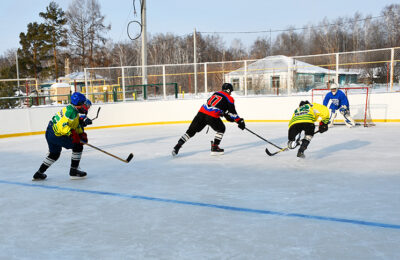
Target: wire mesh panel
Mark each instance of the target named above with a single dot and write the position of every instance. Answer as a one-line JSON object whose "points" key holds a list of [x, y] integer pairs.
{"points": [[273, 75], [313, 71], [221, 72], [369, 68]]}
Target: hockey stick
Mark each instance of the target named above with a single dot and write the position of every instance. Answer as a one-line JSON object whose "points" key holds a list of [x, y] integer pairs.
{"points": [[262, 138], [287, 147], [98, 110], [110, 154]]}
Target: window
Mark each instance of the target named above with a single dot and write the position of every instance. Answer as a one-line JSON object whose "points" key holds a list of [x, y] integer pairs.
{"points": [[275, 81], [235, 83], [250, 83]]}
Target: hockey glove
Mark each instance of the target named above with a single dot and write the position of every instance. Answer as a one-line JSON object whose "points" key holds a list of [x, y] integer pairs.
{"points": [[75, 137], [344, 110], [83, 137], [323, 127], [84, 121], [241, 124]]}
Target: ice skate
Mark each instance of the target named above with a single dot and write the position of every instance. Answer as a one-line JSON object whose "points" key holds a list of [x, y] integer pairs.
{"points": [[38, 176], [215, 150], [300, 154], [176, 150], [76, 174]]}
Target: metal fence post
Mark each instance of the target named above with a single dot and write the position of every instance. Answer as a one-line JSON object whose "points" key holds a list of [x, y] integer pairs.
{"points": [[205, 78], [86, 84], [245, 77], [123, 84], [391, 69], [337, 69], [164, 82]]}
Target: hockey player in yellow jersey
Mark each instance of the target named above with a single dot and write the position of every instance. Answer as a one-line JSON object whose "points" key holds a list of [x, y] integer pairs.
{"points": [[66, 129], [303, 119]]}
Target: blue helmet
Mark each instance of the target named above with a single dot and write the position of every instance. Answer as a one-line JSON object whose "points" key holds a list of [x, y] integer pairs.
{"points": [[77, 99]]}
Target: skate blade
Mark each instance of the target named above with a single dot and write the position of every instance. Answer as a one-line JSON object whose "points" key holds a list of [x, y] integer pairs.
{"points": [[217, 153], [38, 179], [77, 177]]}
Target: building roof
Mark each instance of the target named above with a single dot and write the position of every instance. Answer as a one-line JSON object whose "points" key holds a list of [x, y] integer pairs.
{"points": [[281, 63]]}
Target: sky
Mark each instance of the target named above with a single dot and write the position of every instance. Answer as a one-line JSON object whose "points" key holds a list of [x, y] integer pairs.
{"points": [[181, 17]]}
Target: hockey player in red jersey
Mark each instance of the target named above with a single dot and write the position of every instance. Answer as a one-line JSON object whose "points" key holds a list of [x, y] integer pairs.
{"points": [[219, 104], [65, 129]]}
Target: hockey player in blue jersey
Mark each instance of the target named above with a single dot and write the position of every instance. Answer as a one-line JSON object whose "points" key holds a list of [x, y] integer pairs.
{"points": [[339, 102]]}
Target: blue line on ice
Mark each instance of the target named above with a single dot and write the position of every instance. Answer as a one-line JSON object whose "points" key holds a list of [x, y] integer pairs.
{"points": [[199, 204]]}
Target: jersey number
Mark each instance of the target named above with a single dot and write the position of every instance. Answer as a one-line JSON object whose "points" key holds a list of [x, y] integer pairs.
{"points": [[214, 100]]}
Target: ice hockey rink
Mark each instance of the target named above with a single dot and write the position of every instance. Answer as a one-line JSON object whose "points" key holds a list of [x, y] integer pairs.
{"points": [[341, 202]]}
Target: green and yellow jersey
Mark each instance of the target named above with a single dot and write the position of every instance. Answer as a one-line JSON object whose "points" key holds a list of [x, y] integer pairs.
{"points": [[309, 114], [66, 120]]}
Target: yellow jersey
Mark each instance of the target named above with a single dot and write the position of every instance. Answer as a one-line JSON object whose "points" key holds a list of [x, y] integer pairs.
{"points": [[309, 114], [66, 120]]}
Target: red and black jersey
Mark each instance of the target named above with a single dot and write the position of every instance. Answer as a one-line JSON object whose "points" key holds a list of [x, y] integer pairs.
{"points": [[220, 104]]}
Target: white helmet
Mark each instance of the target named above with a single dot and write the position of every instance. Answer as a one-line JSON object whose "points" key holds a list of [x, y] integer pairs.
{"points": [[334, 86]]}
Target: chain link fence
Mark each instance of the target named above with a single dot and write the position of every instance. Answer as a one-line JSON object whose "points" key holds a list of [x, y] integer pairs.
{"points": [[274, 75]]}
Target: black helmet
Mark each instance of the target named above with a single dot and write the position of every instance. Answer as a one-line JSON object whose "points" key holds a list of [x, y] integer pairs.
{"points": [[227, 87], [302, 103]]}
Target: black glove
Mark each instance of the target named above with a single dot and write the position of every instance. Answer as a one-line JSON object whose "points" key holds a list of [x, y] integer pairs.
{"points": [[323, 127], [241, 124], [84, 121]]}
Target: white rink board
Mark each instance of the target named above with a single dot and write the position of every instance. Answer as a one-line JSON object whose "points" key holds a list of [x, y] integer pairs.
{"points": [[383, 106]]}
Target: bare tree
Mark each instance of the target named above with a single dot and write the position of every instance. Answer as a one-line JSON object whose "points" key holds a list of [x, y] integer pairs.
{"points": [[86, 28], [261, 48]]}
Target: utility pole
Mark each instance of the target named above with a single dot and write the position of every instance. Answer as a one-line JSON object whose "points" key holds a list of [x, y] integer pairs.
{"points": [[144, 44]]}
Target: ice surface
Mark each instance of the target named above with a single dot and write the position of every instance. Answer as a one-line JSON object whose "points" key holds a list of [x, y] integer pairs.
{"points": [[341, 202]]}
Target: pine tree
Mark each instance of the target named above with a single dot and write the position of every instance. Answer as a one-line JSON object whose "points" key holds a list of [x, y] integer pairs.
{"points": [[55, 21], [34, 49]]}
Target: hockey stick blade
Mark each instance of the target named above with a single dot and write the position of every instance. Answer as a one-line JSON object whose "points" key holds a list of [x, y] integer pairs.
{"points": [[285, 148], [272, 154], [98, 110], [129, 158]]}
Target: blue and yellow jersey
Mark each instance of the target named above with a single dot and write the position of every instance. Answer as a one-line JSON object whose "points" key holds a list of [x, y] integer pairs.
{"points": [[66, 120], [309, 114]]}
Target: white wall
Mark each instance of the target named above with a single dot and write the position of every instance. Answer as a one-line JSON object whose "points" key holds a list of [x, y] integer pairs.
{"points": [[383, 107]]}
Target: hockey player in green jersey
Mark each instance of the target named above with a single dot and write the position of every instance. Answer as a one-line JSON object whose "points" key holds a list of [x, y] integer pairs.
{"points": [[65, 129], [303, 119]]}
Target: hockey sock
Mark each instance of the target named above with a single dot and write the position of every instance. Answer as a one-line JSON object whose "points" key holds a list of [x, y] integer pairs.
{"points": [[218, 138], [75, 159], [305, 142], [183, 139], [48, 161]]}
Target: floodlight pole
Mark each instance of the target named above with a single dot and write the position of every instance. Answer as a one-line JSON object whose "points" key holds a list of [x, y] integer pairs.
{"points": [[144, 44]]}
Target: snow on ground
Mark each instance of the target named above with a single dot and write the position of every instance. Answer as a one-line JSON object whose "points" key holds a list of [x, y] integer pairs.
{"points": [[341, 202]]}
